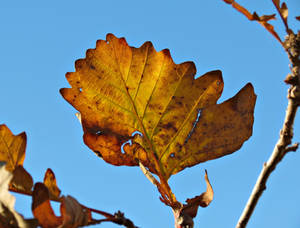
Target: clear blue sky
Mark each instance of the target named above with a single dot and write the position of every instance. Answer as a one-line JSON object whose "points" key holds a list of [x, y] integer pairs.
{"points": [[39, 43]]}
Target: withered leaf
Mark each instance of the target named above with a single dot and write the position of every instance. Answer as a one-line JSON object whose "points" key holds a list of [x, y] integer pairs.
{"points": [[12, 151], [202, 200], [22, 180], [298, 18], [73, 214], [8, 216], [50, 183], [41, 207], [12, 148], [119, 90]]}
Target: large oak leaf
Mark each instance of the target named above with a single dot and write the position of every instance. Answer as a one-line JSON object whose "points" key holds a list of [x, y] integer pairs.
{"points": [[120, 89]]}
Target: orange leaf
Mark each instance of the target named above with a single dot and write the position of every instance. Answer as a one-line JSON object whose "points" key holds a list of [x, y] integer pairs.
{"points": [[120, 89], [50, 183], [12, 148], [42, 209]]}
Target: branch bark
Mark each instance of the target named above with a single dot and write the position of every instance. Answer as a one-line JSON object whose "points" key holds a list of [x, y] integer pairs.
{"points": [[283, 145]]}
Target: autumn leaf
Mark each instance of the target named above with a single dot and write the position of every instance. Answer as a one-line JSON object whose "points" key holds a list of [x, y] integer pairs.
{"points": [[12, 151], [50, 183], [22, 180], [12, 148], [8, 216], [120, 90], [72, 213], [41, 207], [298, 18]]}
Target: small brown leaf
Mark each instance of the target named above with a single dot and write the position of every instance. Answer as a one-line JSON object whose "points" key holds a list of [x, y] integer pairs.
{"points": [[12, 148], [41, 207], [298, 18], [202, 200], [22, 180], [50, 183], [73, 214]]}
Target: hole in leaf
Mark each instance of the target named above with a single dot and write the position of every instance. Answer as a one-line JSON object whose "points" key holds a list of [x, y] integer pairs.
{"points": [[194, 126], [136, 133], [127, 142], [172, 155], [98, 132]]}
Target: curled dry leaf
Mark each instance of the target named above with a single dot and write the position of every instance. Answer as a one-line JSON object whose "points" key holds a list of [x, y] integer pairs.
{"points": [[202, 200], [120, 90], [41, 207], [184, 214], [72, 213], [50, 183]]}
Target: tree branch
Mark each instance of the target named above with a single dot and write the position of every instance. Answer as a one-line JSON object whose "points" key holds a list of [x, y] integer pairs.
{"points": [[282, 146]]}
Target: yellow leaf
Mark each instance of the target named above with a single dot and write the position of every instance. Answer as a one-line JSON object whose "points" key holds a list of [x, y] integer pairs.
{"points": [[119, 90], [12, 148]]}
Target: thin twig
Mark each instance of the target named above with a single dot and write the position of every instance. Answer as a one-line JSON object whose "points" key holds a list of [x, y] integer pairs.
{"points": [[279, 151], [283, 146]]}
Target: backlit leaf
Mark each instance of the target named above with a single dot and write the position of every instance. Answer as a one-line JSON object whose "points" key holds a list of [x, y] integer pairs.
{"points": [[12, 148], [12, 151], [120, 90], [73, 214], [41, 207], [50, 183]]}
